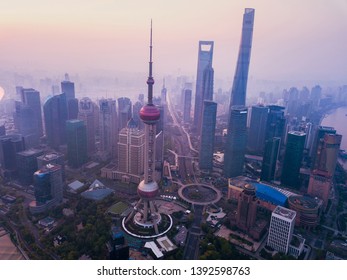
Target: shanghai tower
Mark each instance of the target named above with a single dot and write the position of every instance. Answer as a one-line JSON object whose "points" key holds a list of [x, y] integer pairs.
{"points": [[235, 148], [238, 92]]}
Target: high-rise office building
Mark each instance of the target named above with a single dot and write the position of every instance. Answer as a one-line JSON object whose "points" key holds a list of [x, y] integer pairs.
{"points": [[275, 123], [52, 158], [2, 130], [234, 156], [316, 94], [319, 132], [163, 94], [292, 159], [247, 208], [55, 114], [124, 111], [238, 92], [136, 114], [187, 105], [320, 185], [327, 152], [31, 98], [76, 134], [270, 157], [27, 165], [10, 145], [68, 88], [324, 165], [207, 135], [108, 128], [256, 139], [281, 229], [204, 80], [26, 122], [48, 188], [131, 149], [87, 113]]}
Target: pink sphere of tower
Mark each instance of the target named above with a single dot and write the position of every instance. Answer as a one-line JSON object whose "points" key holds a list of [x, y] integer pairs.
{"points": [[149, 114], [148, 190]]}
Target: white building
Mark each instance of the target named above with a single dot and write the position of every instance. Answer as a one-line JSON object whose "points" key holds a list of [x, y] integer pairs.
{"points": [[281, 229]]}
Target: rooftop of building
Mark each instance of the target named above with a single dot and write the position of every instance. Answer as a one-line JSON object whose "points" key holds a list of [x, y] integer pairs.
{"points": [[50, 156], [285, 212], [274, 195], [48, 168], [75, 185], [30, 152], [304, 202], [297, 133], [166, 243]]}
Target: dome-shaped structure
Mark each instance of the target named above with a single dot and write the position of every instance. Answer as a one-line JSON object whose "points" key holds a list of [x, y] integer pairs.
{"points": [[249, 189], [149, 113], [148, 190]]}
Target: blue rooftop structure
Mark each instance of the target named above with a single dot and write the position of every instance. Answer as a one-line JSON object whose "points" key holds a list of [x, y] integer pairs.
{"points": [[270, 194]]}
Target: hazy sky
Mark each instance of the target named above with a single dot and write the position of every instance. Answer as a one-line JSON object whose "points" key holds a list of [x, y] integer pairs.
{"points": [[292, 39]]}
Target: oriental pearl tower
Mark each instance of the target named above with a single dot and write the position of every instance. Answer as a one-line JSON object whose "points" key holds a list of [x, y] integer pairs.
{"points": [[145, 214]]}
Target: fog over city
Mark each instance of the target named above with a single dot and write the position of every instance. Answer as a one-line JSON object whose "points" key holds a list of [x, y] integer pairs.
{"points": [[295, 42], [173, 130]]}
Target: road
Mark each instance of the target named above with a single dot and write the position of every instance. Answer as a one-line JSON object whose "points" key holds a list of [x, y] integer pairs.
{"points": [[191, 250], [185, 153]]}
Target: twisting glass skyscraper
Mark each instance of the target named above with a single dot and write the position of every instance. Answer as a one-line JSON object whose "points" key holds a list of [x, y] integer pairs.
{"points": [[237, 124], [238, 92]]}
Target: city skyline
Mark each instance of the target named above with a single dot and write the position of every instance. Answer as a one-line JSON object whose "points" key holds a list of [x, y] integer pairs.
{"points": [[99, 35], [222, 173]]}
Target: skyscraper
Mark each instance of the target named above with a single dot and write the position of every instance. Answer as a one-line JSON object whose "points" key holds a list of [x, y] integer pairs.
{"points": [[48, 188], [207, 135], [136, 114], [27, 165], [68, 88], [145, 214], [52, 158], [204, 77], [318, 144], [87, 113], [10, 145], [328, 150], [238, 92], [324, 167], [270, 156], [163, 94], [257, 129], [108, 128], [76, 135], [131, 149], [31, 98], [281, 229], [247, 208], [275, 123], [234, 156], [26, 122], [292, 159], [187, 105], [55, 114], [124, 112]]}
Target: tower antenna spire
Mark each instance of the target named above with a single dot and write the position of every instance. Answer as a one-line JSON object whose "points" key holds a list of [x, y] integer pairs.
{"points": [[150, 80]]}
